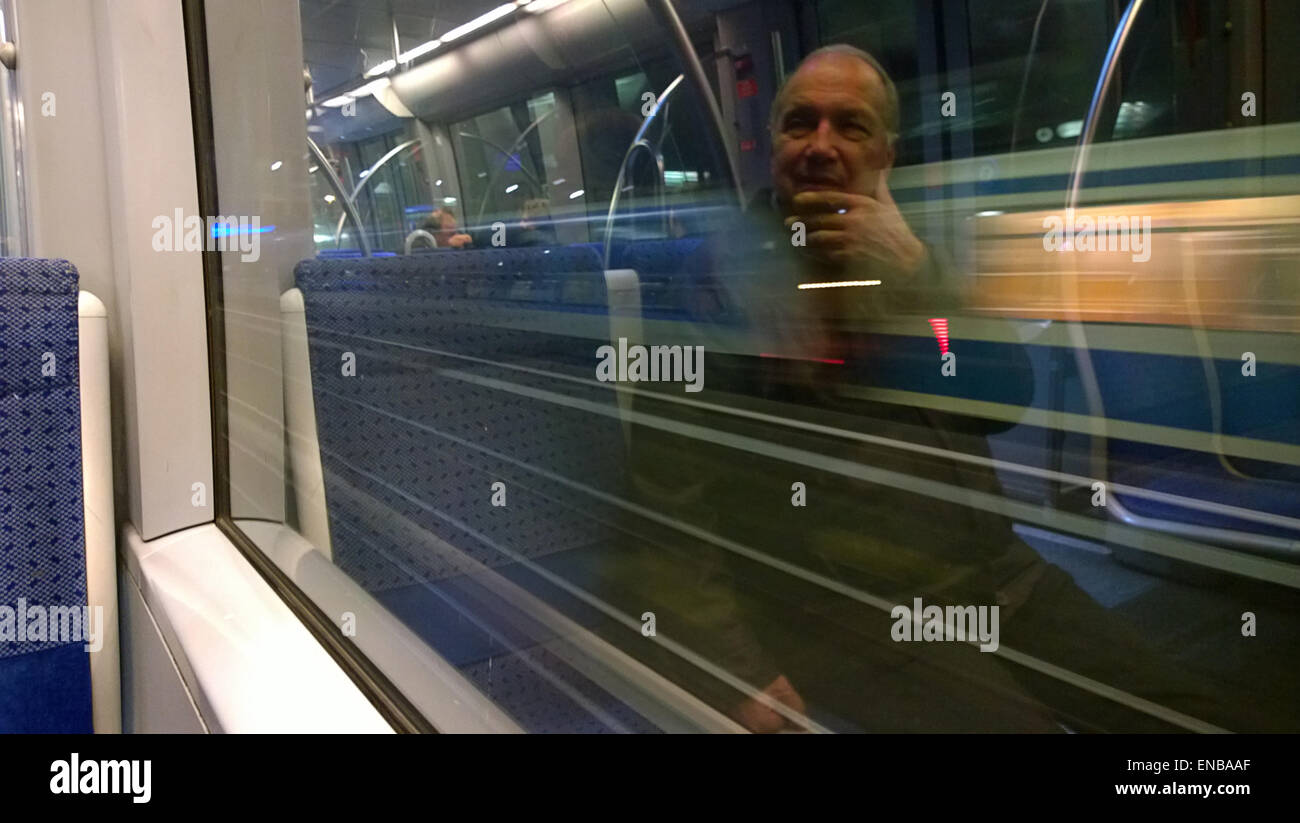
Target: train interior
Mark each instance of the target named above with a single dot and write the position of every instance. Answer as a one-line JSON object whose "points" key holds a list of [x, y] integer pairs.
{"points": [[304, 423]]}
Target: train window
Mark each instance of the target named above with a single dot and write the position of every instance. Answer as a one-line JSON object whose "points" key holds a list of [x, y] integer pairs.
{"points": [[1024, 72], [606, 410], [609, 111], [889, 33], [518, 167], [1016, 65]]}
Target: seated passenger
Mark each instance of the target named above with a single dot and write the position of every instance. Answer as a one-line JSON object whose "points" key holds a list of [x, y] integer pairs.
{"points": [[881, 524], [535, 228], [442, 225]]}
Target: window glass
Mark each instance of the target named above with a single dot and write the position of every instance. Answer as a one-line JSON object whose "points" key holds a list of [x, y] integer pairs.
{"points": [[969, 431], [516, 164]]}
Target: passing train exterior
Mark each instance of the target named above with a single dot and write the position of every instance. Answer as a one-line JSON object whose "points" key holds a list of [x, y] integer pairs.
{"points": [[649, 366]]}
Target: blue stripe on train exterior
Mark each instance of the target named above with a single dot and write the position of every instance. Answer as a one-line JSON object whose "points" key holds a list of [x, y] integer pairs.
{"points": [[1145, 388]]}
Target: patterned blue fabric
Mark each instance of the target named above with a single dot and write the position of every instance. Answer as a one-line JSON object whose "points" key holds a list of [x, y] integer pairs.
{"points": [[676, 276], [413, 441], [403, 436], [42, 541], [1173, 391]]}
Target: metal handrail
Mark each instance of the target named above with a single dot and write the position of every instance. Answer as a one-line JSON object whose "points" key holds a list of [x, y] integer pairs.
{"points": [[366, 177], [680, 42], [416, 235], [638, 142], [349, 210], [496, 173], [1083, 357]]}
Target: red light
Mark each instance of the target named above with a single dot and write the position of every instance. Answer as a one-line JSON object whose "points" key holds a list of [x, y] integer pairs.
{"points": [[940, 326]]}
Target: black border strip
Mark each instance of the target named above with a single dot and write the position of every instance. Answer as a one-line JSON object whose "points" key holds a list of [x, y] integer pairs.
{"points": [[373, 683]]}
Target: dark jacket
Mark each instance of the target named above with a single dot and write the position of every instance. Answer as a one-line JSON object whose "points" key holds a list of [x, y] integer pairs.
{"points": [[755, 585]]}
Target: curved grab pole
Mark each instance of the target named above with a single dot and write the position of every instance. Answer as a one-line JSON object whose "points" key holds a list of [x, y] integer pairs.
{"points": [[638, 142], [348, 209], [370, 172], [366, 178], [1087, 375], [537, 184], [496, 173], [681, 45], [417, 235]]}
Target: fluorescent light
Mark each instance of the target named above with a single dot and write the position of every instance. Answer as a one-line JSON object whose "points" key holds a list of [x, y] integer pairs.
{"points": [[994, 213], [329, 198], [1070, 128], [277, 164], [449, 200], [512, 188], [423, 48], [478, 22], [839, 284], [438, 182], [373, 86], [558, 181], [312, 170], [539, 6], [381, 68], [576, 194], [361, 91]]}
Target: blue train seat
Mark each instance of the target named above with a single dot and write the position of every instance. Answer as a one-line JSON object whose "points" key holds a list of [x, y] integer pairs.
{"points": [[472, 367], [675, 275], [1176, 391], [45, 679]]}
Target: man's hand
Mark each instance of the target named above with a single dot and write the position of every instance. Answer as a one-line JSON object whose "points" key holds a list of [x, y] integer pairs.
{"points": [[758, 717], [848, 228], [460, 241]]}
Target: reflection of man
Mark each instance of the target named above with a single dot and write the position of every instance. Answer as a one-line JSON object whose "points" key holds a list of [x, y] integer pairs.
{"points": [[535, 228], [442, 225], [866, 538], [833, 129]]}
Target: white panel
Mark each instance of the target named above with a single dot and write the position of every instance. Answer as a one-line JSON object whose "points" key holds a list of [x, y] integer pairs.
{"points": [[300, 414], [250, 664], [623, 292], [97, 485], [447, 699], [149, 152], [155, 699], [63, 161]]}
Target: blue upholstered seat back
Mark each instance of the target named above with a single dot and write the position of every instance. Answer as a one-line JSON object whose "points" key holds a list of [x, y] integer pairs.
{"points": [[1172, 390], [434, 415], [44, 679]]}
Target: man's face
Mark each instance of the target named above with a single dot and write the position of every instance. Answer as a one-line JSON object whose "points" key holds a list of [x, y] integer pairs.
{"points": [[447, 225], [830, 135]]}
